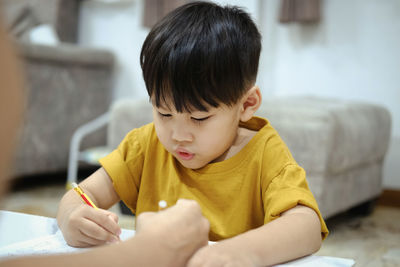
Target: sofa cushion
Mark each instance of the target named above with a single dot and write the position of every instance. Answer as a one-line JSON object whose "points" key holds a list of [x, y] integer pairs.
{"points": [[337, 134]]}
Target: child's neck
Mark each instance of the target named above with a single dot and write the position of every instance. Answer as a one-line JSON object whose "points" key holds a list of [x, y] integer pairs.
{"points": [[243, 137]]}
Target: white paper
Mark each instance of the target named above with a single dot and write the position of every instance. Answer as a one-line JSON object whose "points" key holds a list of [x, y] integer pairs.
{"points": [[319, 261], [49, 244]]}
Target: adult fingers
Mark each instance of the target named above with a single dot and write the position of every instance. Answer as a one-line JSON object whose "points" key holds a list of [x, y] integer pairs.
{"points": [[142, 219]]}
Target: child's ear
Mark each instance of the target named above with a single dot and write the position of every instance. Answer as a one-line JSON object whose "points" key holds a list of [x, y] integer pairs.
{"points": [[251, 101]]}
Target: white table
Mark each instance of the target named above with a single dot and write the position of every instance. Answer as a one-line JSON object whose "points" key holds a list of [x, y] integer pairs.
{"points": [[24, 234], [17, 227]]}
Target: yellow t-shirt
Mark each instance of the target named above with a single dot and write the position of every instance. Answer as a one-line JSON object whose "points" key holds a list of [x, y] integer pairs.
{"points": [[241, 193]]}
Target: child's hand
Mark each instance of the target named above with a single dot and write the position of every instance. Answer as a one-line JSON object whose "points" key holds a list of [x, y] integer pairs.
{"points": [[221, 254], [86, 226]]}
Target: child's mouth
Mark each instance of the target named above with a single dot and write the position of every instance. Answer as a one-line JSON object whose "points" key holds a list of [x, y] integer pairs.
{"points": [[185, 155]]}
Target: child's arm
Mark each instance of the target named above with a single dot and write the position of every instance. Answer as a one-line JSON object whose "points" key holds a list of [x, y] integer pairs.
{"points": [[84, 226], [296, 233]]}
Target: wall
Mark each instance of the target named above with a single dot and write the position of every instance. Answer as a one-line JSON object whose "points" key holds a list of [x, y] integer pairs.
{"points": [[351, 54], [117, 26]]}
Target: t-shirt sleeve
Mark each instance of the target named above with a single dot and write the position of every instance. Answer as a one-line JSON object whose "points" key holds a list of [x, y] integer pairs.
{"points": [[287, 190], [124, 166]]}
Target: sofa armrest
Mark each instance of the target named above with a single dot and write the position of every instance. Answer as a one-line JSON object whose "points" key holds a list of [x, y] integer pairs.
{"points": [[68, 86], [66, 54]]}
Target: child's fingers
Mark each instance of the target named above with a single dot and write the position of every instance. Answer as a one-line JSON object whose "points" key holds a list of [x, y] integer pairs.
{"points": [[94, 232], [105, 219], [113, 216], [87, 241], [91, 243], [93, 227]]}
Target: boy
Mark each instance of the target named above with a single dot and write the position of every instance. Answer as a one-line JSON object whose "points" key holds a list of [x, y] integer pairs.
{"points": [[200, 65]]}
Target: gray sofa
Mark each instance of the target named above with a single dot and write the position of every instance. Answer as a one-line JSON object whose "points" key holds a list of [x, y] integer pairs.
{"points": [[67, 85], [341, 144]]}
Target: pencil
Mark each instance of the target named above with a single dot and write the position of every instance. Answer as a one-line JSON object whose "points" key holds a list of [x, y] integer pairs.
{"points": [[82, 194]]}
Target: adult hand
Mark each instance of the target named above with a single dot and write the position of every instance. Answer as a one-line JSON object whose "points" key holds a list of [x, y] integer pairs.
{"points": [[178, 231]]}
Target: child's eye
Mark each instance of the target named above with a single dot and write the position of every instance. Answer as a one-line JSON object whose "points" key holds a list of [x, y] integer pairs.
{"points": [[200, 119], [164, 115]]}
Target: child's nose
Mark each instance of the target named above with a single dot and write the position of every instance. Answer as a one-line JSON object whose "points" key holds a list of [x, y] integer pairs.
{"points": [[181, 134]]}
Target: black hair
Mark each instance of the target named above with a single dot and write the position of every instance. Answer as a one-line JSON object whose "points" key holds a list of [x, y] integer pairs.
{"points": [[201, 54]]}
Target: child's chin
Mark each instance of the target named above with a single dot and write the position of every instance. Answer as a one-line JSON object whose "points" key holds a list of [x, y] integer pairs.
{"points": [[192, 165]]}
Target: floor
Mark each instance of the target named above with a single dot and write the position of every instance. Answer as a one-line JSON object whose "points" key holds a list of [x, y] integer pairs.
{"points": [[43, 198], [372, 240]]}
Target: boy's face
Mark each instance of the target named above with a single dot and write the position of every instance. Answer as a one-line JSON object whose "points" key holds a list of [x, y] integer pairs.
{"points": [[197, 138]]}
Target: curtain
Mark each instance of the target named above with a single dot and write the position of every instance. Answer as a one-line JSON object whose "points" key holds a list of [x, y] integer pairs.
{"points": [[301, 11], [154, 10]]}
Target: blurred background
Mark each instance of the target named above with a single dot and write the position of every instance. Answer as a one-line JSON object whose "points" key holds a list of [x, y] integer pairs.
{"points": [[349, 52], [80, 57]]}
